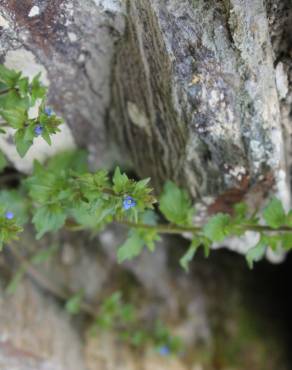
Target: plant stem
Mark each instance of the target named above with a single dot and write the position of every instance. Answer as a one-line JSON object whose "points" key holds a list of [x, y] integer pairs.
{"points": [[174, 229], [161, 228], [3, 92]]}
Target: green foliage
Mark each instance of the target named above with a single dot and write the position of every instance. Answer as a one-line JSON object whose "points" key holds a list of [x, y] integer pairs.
{"points": [[17, 96], [216, 228], [131, 248], [189, 255], [9, 228], [175, 204], [115, 314], [274, 214], [63, 193], [256, 253], [73, 305]]}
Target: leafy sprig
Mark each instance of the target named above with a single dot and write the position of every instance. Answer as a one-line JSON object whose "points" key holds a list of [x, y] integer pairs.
{"points": [[64, 194], [17, 96]]}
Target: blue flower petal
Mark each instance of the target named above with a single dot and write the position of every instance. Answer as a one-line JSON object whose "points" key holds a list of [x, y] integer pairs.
{"points": [[9, 215]]}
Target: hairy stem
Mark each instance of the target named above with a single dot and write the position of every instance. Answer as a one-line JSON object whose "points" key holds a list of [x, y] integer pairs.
{"points": [[179, 230]]}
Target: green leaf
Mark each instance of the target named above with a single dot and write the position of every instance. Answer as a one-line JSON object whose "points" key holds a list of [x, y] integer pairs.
{"points": [[120, 181], [274, 214], [286, 240], [12, 100], [241, 210], [132, 247], [75, 160], [9, 76], [3, 162], [175, 205], [48, 218], [189, 255], [73, 305], [9, 229], [23, 85], [217, 227], [46, 137], [38, 91], [15, 117], [22, 146], [256, 253]]}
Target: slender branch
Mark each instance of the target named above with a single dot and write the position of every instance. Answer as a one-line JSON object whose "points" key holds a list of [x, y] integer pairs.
{"points": [[174, 229], [161, 228]]}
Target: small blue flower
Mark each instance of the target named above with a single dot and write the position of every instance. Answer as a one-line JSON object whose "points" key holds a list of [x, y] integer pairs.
{"points": [[48, 111], [9, 215], [38, 130], [128, 203], [164, 350]]}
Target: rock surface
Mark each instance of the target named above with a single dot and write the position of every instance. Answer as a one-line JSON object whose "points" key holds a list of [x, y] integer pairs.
{"points": [[192, 83], [35, 334], [72, 42], [207, 109], [221, 310]]}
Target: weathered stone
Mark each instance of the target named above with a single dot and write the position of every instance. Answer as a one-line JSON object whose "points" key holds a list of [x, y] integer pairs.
{"points": [[201, 82], [72, 42], [35, 333]]}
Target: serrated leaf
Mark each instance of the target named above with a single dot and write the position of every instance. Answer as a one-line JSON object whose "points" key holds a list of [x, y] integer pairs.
{"points": [[48, 218], [175, 204], [132, 247], [73, 305], [240, 210], [286, 240], [22, 146], [15, 117], [274, 214], [23, 85], [216, 228], [120, 181], [46, 137], [38, 91], [189, 255], [256, 253], [8, 76]]}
